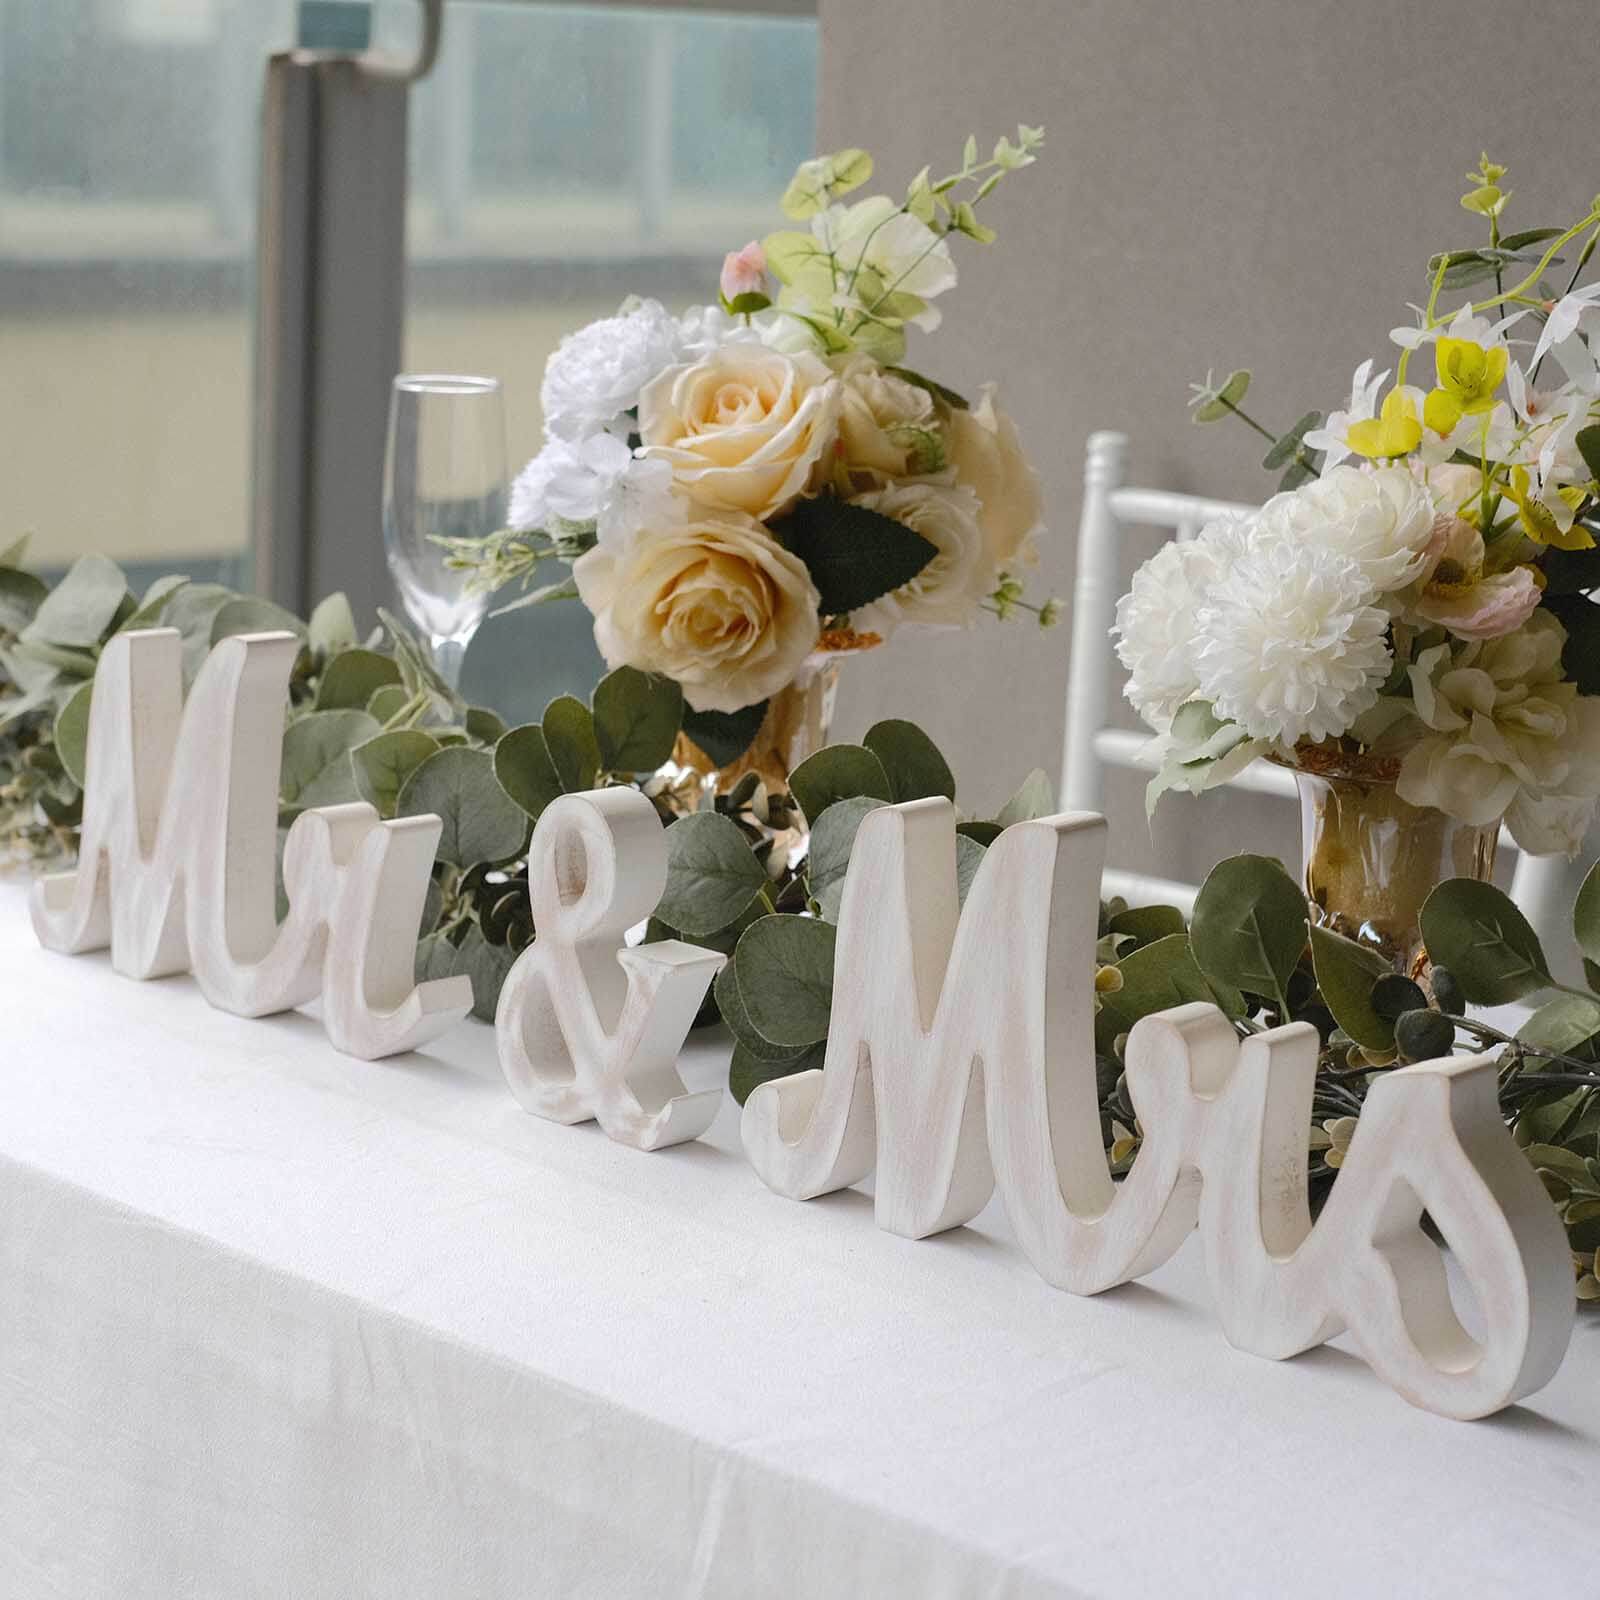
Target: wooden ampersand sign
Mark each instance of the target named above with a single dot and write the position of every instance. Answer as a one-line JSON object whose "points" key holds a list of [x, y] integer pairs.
{"points": [[960, 1057], [176, 869], [586, 1027]]}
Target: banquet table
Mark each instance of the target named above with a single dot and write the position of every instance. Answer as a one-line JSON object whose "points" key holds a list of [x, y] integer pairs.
{"points": [[276, 1322]]}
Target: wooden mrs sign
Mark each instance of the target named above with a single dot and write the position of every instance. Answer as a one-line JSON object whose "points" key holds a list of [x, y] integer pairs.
{"points": [[177, 870], [960, 1055]]}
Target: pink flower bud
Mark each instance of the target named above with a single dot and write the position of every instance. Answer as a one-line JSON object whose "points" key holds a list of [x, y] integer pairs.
{"points": [[744, 271]]}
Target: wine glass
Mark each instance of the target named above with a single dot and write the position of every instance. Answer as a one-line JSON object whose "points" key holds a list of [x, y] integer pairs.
{"points": [[444, 476]]}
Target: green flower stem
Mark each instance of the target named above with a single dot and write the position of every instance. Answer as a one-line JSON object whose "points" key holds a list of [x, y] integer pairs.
{"points": [[1589, 1072], [1531, 281], [403, 717], [1427, 322], [1300, 457]]}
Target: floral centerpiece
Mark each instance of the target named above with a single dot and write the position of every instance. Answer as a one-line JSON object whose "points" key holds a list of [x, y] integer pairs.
{"points": [[1407, 622], [748, 490]]}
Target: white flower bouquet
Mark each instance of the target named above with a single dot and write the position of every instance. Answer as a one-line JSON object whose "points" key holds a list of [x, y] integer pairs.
{"points": [[743, 485], [1427, 608]]}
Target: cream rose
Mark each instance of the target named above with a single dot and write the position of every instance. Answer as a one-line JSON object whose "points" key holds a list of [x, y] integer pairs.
{"points": [[887, 428], [744, 428], [983, 448], [949, 590], [717, 605]]}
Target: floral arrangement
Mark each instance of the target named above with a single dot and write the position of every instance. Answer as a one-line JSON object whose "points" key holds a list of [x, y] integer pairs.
{"points": [[1416, 596], [750, 482]]}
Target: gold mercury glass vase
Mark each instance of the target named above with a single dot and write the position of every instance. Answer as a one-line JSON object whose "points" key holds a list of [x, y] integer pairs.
{"points": [[1369, 859]]}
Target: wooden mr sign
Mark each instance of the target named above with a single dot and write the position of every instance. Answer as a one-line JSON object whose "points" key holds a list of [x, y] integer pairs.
{"points": [[960, 1053]]}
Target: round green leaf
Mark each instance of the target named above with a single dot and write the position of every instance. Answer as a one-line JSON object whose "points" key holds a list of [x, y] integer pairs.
{"points": [[21, 595], [636, 719], [522, 764], [484, 726], [1475, 930], [316, 758], [1154, 977], [1145, 924], [569, 737], [1222, 400], [72, 732], [911, 761], [1346, 974], [1567, 1024], [249, 613], [730, 1005], [82, 606], [747, 1071], [1036, 798], [838, 772], [480, 820], [1249, 925], [828, 853], [712, 874], [352, 677], [786, 978], [383, 764], [387, 701]]}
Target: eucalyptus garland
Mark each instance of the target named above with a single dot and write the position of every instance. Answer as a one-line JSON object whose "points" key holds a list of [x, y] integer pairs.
{"points": [[370, 718]]}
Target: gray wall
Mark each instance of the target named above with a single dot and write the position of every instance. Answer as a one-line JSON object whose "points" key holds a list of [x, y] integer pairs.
{"points": [[1227, 183]]}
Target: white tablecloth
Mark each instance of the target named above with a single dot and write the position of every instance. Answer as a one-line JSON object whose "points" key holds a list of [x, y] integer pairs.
{"points": [[274, 1322]]}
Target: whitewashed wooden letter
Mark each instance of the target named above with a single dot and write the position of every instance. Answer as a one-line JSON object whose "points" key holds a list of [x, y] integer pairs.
{"points": [[588, 1028], [176, 868], [929, 1000]]}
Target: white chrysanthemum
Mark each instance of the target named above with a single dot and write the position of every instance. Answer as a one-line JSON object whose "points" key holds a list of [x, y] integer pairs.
{"points": [[1155, 619], [1288, 644], [599, 480], [597, 372], [1380, 518]]}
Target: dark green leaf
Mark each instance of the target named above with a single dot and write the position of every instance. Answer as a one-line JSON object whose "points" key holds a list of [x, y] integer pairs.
{"points": [[1155, 977], [1521, 241], [1571, 571], [20, 597], [786, 978], [522, 764], [387, 701], [1346, 974], [837, 772], [636, 719], [748, 1071], [487, 965], [984, 833], [383, 764], [748, 303], [484, 726], [1285, 445], [1588, 443], [1580, 655], [1586, 915], [316, 759], [351, 678], [712, 874], [1145, 924], [724, 736], [569, 736], [479, 820], [1483, 939], [730, 1005], [955, 401], [911, 761], [1567, 1025], [1249, 925], [854, 555]]}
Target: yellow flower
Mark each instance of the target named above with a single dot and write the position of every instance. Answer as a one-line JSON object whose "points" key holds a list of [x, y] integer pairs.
{"points": [[1395, 431], [1545, 523], [1468, 376]]}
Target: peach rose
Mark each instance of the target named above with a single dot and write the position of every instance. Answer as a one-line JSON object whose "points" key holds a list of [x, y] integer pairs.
{"points": [[983, 448]]}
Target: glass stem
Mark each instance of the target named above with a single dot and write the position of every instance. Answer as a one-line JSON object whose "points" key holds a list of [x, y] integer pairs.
{"points": [[448, 654]]}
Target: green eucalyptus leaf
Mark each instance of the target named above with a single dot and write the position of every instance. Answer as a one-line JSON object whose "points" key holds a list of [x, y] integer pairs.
{"points": [[79, 610], [911, 761], [386, 702], [1567, 1024], [786, 978], [636, 719], [712, 874], [153, 604], [1586, 915], [838, 772], [1588, 443], [1285, 446], [724, 736], [480, 820], [484, 726], [1475, 930], [486, 965], [352, 677], [969, 858], [747, 1071], [1223, 399], [1036, 798], [72, 733], [1249, 925], [192, 611], [570, 738], [316, 759], [383, 764], [1154, 977], [1346, 973], [730, 1006], [522, 764], [21, 595], [828, 852], [984, 833], [249, 613], [1145, 924]]}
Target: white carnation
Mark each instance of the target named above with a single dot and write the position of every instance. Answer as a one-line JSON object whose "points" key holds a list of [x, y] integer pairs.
{"points": [[597, 372], [1381, 519], [1288, 644], [1155, 619], [598, 480], [702, 329]]}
